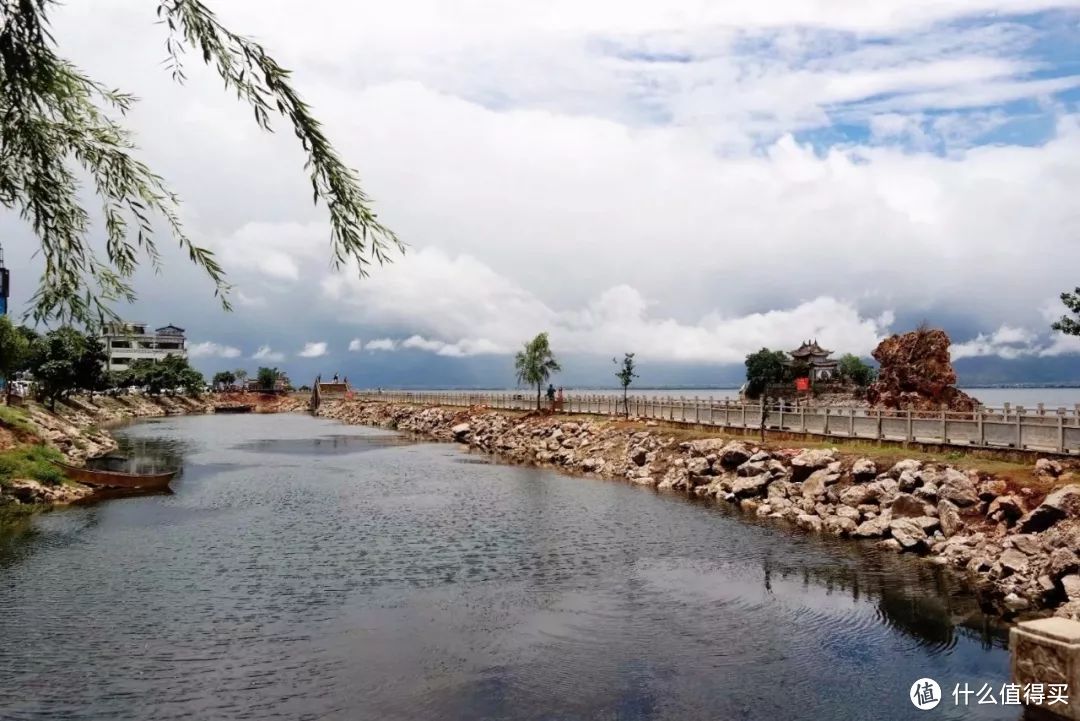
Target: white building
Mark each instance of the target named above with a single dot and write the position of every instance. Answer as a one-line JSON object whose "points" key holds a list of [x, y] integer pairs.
{"points": [[126, 342]]}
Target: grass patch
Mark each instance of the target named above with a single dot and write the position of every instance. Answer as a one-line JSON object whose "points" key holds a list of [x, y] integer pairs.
{"points": [[34, 462], [15, 418]]}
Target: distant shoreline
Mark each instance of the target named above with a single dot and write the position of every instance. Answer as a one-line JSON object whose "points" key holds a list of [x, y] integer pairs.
{"points": [[639, 389]]}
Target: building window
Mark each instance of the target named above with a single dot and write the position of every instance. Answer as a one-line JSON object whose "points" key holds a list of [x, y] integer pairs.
{"points": [[121, 344]]}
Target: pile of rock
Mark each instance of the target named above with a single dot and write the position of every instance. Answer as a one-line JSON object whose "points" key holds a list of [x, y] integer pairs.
{"points": [[23, 491], [1022, 550]]}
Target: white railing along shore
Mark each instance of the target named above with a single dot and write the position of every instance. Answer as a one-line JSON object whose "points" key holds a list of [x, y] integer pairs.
{"points": [[1040, 429]]}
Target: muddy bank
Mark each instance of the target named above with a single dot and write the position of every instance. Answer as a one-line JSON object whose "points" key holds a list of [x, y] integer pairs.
{"points": [[78, 429], [1018, 546]]}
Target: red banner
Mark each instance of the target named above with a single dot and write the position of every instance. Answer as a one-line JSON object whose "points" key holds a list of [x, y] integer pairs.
{"points": [[802, 384]]}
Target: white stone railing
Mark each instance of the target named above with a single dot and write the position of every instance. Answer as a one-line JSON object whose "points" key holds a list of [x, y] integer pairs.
{"points": [[1038, 429]]}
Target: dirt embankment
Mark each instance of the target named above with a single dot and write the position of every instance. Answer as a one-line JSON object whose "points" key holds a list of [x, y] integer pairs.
{"points": [[77, 428], [1016, 535]]}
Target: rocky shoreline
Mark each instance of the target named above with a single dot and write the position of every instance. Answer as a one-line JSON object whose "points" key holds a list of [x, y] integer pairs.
{"points": [[78, 429], [1017, 546]]}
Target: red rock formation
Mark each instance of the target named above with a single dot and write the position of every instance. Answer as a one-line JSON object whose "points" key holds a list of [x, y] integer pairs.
{"points": [[917, 374]]}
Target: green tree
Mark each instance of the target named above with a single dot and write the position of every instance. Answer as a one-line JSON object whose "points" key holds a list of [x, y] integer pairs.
{"points": [[535, 363], [55, 361], [267, 378], [14, 353], [853, 369], [1067, 325], [57, 126], [241, 376], [626, 376], [224, 379], [762, 368], [90, 366]]}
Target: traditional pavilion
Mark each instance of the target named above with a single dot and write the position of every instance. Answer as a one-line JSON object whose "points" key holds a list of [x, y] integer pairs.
{"points": [[817, 358]]}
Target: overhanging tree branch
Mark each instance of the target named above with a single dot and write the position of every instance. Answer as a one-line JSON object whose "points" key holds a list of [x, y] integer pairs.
{"points": [[53, 119]]}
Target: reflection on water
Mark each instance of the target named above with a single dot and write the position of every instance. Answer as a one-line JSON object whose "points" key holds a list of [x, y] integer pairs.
{"points": [[308, 570]]}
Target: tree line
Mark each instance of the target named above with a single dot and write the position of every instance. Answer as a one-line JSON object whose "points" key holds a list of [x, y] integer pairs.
{"points": [[771, 367], [65, 360], [265, 378], [536, 362]]}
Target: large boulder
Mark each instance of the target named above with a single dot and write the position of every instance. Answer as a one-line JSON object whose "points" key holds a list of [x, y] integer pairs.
{"points": [[1013, 561], [746, 486], [1062, 503], [949, 516], [840, 525], [810, 460], [957, 487], [752, 468], [1047, 468], [906, 505], [815, 485], [733, 454], [855, 496], [698, 466], [883, 490], [705, 446], [863, 470], [916, 373], [461, 431], [1005, 508], [909, 465], [909, 534], [873, 528]]}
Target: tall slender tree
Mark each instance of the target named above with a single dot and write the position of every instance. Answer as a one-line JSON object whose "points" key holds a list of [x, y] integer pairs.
{"points": [[626, 376], [535, 363], [58, 125]]}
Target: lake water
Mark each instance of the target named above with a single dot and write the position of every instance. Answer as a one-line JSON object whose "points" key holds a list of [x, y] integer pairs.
{"points": [[308, 570]]}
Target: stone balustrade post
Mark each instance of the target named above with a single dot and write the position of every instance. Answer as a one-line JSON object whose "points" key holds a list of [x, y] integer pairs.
{"points": [[1019, 426], [1047, 651]]}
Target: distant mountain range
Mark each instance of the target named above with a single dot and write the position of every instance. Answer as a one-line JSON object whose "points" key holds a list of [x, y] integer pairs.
{"points": [[991, 370]]}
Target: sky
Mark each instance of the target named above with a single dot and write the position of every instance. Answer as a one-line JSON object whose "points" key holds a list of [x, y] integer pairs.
{"points": [[687, 180]]}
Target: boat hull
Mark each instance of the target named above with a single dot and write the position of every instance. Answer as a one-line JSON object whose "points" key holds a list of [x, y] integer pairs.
{"points": [[115, 479]]}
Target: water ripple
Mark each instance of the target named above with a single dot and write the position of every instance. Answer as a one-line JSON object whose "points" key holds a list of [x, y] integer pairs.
{"points": [[304, 570]]}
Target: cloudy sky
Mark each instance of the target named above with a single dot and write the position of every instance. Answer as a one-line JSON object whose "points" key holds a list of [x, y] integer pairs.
{"points": [[690, 180]]}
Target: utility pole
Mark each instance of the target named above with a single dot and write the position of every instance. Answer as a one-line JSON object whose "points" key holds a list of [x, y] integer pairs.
{"points": [[5, 283]]}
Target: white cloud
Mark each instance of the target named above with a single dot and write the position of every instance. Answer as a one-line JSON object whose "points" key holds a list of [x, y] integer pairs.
{"points": [[249, 301], [480, 312], [268, 354], [459, 349], [313, 350], [209, 349], [356, 344], [381, 344], [1011, 342], [671, 178]]}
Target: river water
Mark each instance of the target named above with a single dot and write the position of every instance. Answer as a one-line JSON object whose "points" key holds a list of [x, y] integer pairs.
{"points": [[308, 570]]}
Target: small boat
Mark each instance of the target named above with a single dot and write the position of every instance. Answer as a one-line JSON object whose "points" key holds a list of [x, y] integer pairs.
{"points": [[116, 479], [233, 408]]}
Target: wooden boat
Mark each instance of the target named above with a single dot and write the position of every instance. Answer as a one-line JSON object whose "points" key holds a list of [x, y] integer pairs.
{"points": [[116, 479], [233, 408]]}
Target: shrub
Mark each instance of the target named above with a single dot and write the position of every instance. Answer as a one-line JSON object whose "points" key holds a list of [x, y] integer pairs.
{"points": [[34, 462]]}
